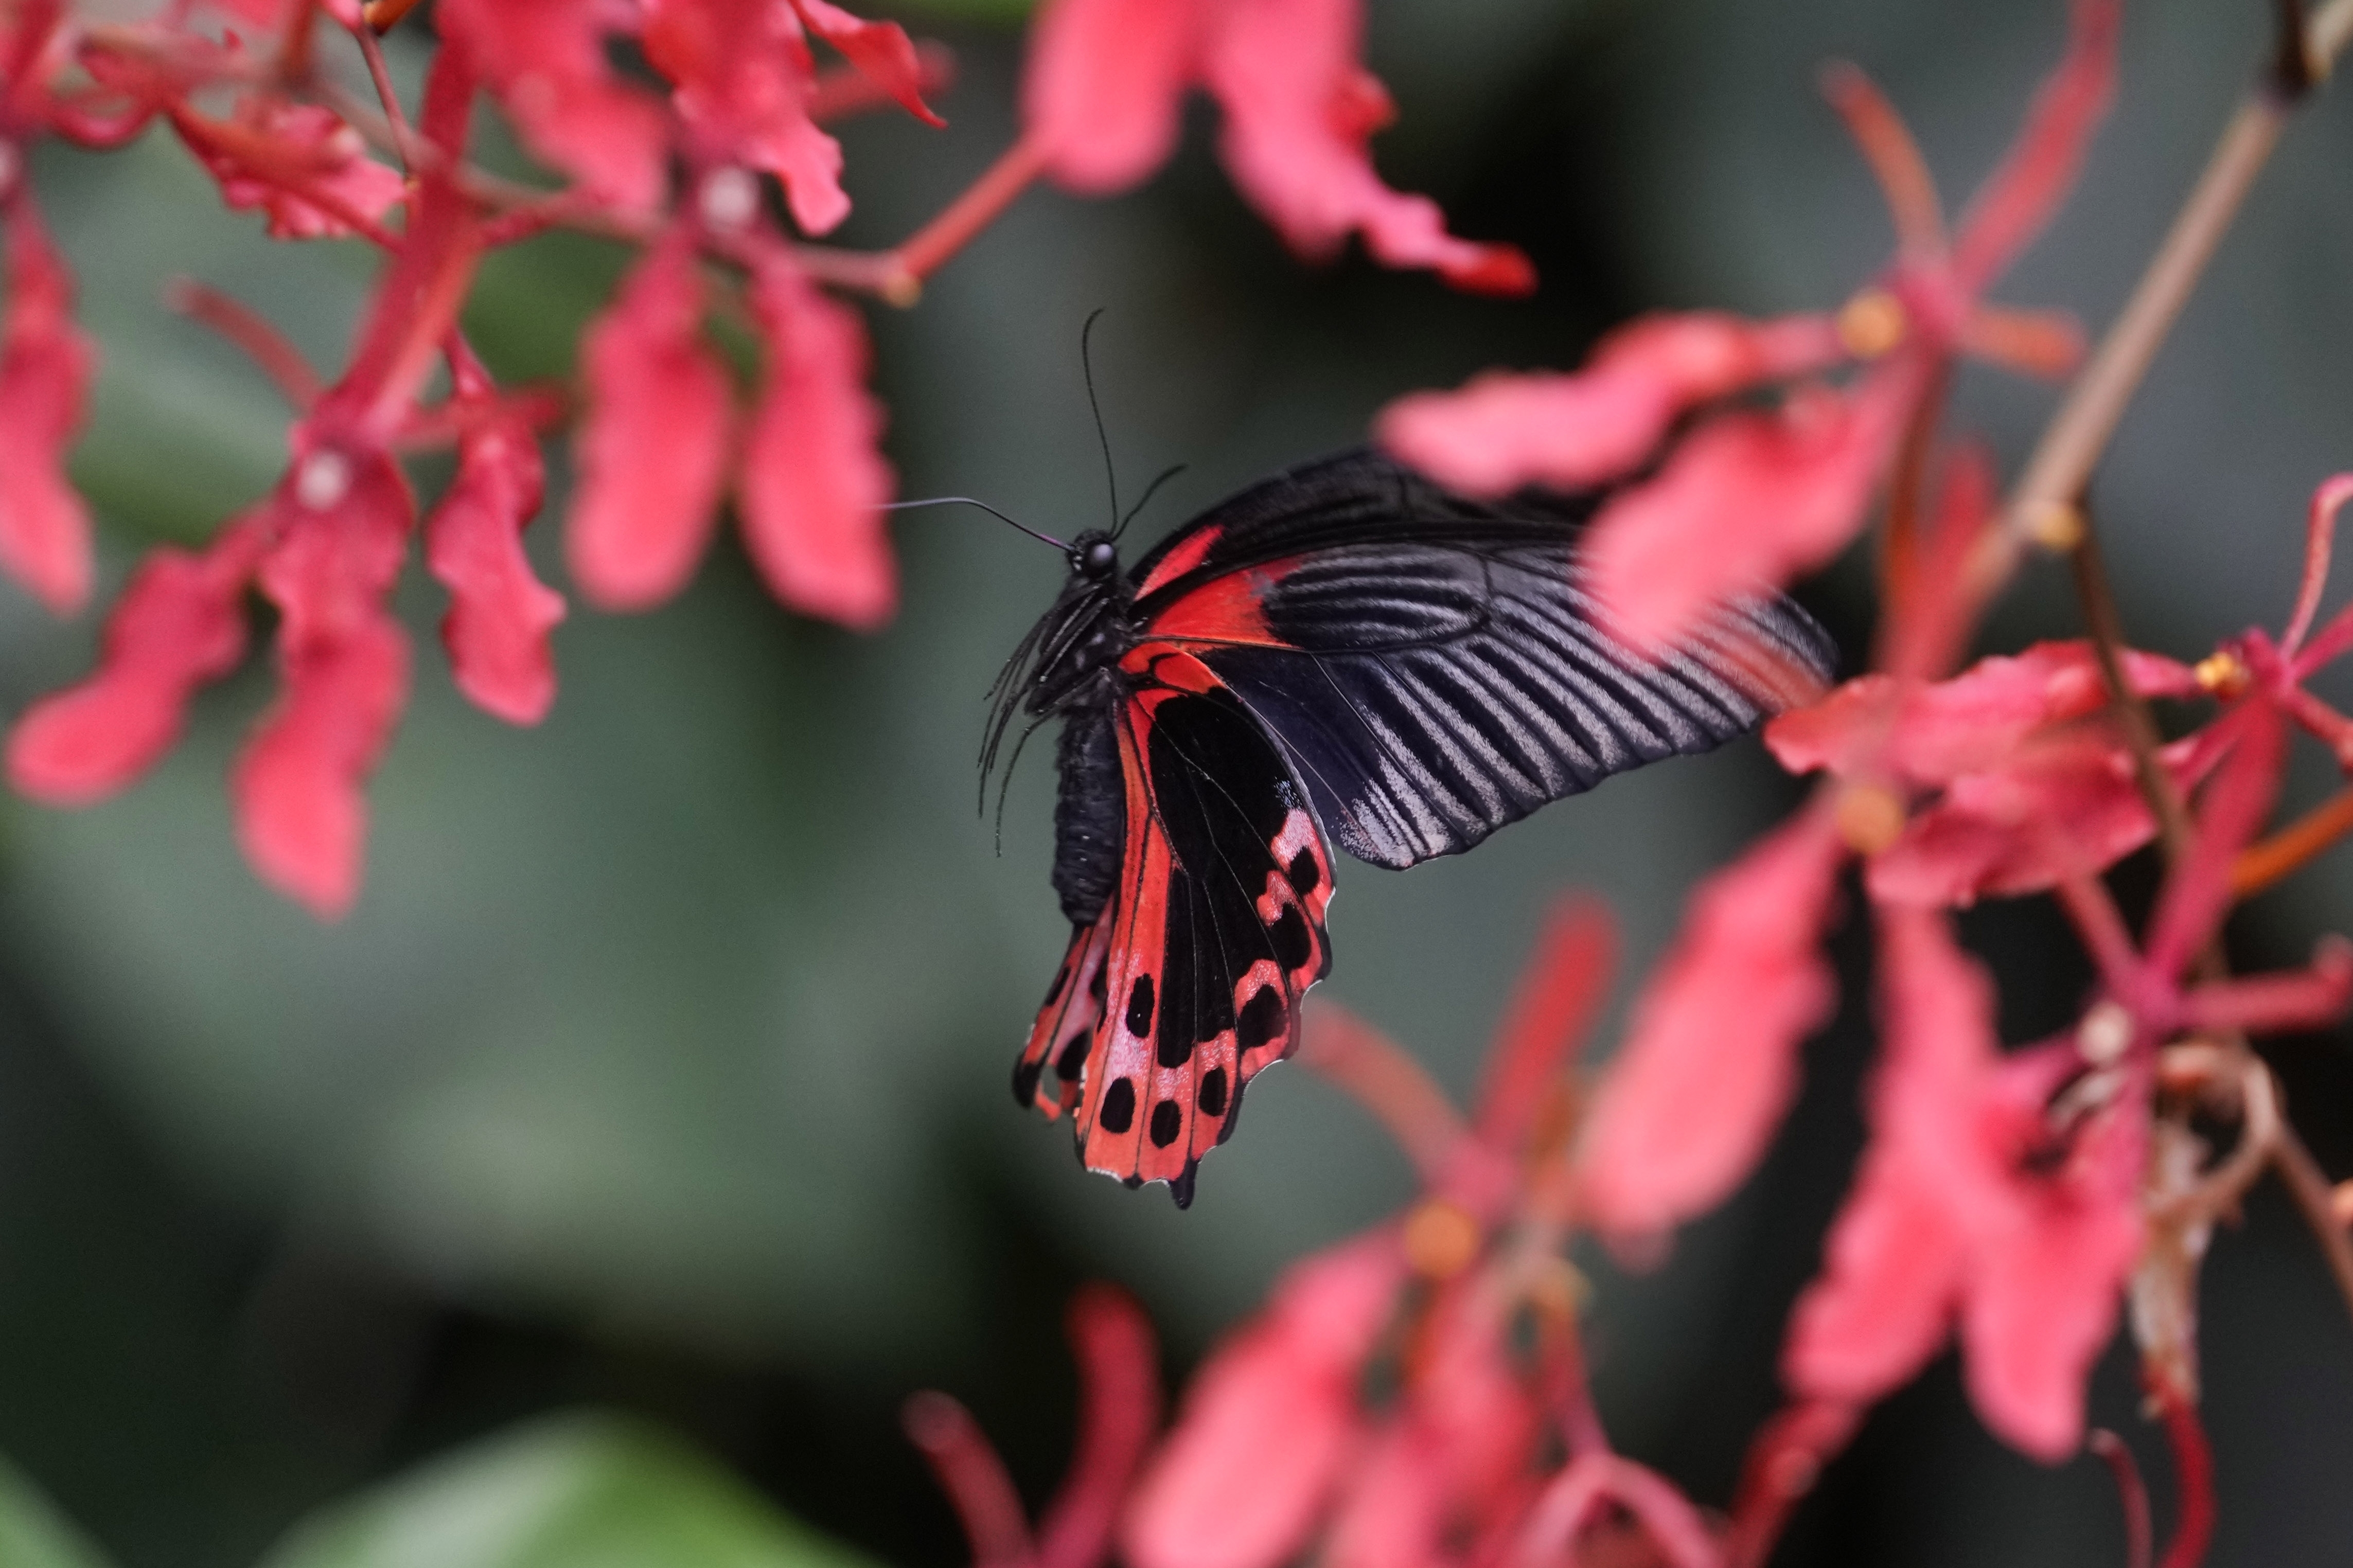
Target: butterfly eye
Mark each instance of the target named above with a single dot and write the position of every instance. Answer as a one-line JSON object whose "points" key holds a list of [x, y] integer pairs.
{"points": [[1100, 559]]}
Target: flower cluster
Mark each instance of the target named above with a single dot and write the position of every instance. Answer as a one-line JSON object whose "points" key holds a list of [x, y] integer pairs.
{"points": [[716, 163], [2019, 1199]]}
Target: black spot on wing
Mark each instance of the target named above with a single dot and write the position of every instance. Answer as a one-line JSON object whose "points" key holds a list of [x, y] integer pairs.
{"points": [[1261, 1018], [1139, 1006], [1026, 1075], [1211, 1096], [1168, 1120], [1118, 1112]]}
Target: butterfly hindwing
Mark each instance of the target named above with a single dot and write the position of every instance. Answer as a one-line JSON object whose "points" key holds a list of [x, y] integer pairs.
{"points": [[1434, 667], [1214, 933]]}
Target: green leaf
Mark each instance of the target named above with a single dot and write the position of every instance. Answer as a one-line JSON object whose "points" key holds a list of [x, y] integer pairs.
{"points": [[33, 1533], [572, 1491]]}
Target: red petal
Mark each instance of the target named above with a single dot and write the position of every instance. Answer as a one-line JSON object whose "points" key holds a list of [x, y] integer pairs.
{"points": [[500, 612], [344, 662], [652, 449], [1503, 431], [881, 50], [45, 369], [1392, 1512], [1974, 721], [2295, 999], [742, 74], [181, 622], [1745, 503], [1100, 90], [2044, 1283], [2065, 806], [1268, 1420], [545, 60], [2019, 197], [1288, 75], [310, 153], [1894, 1263], [814, 482], [1710, 1059]]}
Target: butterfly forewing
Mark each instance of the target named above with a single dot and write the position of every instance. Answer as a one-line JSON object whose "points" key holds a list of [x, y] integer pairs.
{"points": [[1435, 669]]}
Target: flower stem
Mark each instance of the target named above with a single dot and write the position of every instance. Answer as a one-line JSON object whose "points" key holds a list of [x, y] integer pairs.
{"points": [[2131, 1490], [1387, 1081], [262, 342], [2099, 603], [2193, 1468], [2072, 444], [403, 139]]}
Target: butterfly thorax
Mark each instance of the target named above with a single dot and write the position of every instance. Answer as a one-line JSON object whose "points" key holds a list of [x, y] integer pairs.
{"points": [[1084, 636]]}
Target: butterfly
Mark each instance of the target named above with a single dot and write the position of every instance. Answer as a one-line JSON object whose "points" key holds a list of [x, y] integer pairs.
{"points": [[1342, 653]]}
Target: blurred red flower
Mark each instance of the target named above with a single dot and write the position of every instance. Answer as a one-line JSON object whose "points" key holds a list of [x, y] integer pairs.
{"points": [[1754, 498], [1106, 78]]}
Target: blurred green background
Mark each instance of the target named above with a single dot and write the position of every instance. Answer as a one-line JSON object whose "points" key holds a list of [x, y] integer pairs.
{"points": [[662, 1066]]}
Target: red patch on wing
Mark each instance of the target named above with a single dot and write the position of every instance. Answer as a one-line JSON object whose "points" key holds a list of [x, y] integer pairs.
{"points": [[1227, 609], [1181, 560]]}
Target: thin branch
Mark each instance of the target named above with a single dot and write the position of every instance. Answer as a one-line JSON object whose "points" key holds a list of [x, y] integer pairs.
{"points": [[404, 140], [2099, 603], [2071, 443], [2307, 1184]]}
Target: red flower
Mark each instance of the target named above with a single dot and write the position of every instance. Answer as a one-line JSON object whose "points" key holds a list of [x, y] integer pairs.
{"points": [[1974, 1203], [179, 624], [546, 62], [1106, 78], [813, 482], [342, 528], [652, 451], [742, 77], [654, 448], [1269, 1420], [1665, 550], [45, 370], [1710, 1060], [500, 612], [298, 162], [2025, 779]]}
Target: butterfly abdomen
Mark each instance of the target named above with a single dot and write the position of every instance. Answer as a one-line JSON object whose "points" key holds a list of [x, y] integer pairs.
{"points": [[1091, 813]]}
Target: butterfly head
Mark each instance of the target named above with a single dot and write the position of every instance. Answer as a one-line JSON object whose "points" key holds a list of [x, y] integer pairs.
{"points": [[1093, 557]]}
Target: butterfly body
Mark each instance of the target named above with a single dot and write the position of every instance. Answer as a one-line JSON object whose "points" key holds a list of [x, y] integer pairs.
{"points": [[1345, 654]]}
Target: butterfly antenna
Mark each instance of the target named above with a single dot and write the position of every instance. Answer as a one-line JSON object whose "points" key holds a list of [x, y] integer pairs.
{"points": [[1087, 369], [968, 500], [1150, 490]]}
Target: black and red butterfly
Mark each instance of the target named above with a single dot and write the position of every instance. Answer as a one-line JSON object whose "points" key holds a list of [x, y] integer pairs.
{"points": [[1342, 653]]}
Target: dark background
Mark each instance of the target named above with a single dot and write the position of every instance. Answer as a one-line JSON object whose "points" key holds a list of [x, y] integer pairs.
{"points": [[662, 1066]]}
